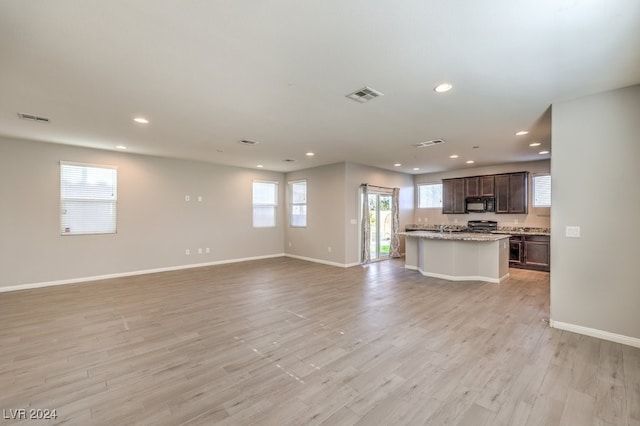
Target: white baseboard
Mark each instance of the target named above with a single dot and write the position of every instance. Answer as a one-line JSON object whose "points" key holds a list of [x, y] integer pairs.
{"points": [[593, 332], [324, 262], [462, 278], [132, 273]]}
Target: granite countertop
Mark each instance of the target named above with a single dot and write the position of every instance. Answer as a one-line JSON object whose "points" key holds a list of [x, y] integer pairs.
{"points": [[455, 236], [511, 230]]}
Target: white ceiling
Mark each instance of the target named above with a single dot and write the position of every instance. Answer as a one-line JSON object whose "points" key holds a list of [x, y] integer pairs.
{"points": [[208, 74]]}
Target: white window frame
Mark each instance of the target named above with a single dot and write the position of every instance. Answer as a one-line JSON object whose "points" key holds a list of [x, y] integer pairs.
{"points": [[420, 201], [297, 205], [257, 205], [76, 214], [533, 184]]}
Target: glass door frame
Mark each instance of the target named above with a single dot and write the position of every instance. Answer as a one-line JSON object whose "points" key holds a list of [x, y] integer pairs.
{"points": [[377, 229]]}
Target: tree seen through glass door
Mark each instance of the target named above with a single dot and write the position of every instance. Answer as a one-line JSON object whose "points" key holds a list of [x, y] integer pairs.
{"points": [[380, 225]]}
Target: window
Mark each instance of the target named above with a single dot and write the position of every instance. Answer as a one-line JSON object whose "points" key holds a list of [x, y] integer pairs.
{"points": [[429, 195], [265, 201], [88, 196], [542, 191], [298, 218]]}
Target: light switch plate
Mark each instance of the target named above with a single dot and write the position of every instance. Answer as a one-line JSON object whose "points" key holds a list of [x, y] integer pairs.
{"points": [[572, 231]]}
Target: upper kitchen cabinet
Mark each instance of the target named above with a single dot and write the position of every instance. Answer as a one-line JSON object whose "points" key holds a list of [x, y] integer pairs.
{"points": [[453, 196], [473, 186], [480, 186], [511, 193], [487, 186]]}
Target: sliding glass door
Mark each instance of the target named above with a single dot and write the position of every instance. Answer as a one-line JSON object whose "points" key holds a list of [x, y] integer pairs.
{"points": [[380, 220]]}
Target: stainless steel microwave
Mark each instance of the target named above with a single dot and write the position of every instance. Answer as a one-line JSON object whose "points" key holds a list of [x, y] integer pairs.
{"points": [[480, 204]]}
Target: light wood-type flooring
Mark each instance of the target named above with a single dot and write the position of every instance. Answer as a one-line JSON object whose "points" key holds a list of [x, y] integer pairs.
{"points": [[287, 342]]}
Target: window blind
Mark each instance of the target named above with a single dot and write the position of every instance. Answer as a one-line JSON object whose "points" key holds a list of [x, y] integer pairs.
{"points": [[429, 195], [542, 191], [298, 204], [88, 197], [265, 201]]}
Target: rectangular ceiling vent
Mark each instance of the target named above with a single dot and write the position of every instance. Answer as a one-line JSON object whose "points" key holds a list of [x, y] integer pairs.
{"points": [[247, 142], [33, 117], [363, 95], [428, 143]]}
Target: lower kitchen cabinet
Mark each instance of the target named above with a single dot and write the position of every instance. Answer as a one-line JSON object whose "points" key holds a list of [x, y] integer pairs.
{"points": [[530, 252]]}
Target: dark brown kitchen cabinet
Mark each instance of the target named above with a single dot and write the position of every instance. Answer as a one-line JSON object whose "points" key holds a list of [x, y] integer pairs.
{"points": [[511, 193], [453, 196], [530, 252], [473, 186], [487, 185], [480, 186]]}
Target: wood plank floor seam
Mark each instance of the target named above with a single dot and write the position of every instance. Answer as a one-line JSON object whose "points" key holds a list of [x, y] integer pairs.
{"points": [[284, 341]]}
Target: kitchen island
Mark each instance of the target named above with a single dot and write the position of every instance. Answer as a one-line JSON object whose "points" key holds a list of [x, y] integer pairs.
{"points": [[458, 256]]}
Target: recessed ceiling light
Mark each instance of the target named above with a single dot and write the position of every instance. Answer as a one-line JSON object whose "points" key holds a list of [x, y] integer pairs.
{"points": [[121, 147], [416, 168], [543, 152], [454, 156], [521, 132], [309, 154], [470, 161], [397, 165], [259, 166], [443, 87], [535, 144], [141, 120]]}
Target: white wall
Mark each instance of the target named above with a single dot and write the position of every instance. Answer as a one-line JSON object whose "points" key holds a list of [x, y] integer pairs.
{"points": [[595, 281], [155, 224], [537, 217]]}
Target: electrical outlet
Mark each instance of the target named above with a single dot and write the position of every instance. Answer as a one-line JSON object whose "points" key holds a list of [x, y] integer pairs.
{"points": [[187, 252], [207, 250], [289, 243], [199, 251], [199, 198], [187, 198], [419, 219], [328, 249]]}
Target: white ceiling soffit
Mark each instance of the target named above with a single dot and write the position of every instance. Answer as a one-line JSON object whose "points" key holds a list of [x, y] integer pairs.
{"points": [[209, 74]]}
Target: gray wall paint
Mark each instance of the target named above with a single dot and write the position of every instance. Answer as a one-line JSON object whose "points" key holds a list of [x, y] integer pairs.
{"points": [[325, 212], [538, 217], [332, 204], [155, 224], [595, 168]]}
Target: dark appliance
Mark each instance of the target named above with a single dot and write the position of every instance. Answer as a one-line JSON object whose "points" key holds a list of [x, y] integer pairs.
{"points": [[479, 204], [482, 226]]}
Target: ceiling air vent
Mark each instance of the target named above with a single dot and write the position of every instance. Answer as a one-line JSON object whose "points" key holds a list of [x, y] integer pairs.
{"points": [[363, 95], [247, 142], [289, 160], [428, 143], [33, 117]]}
